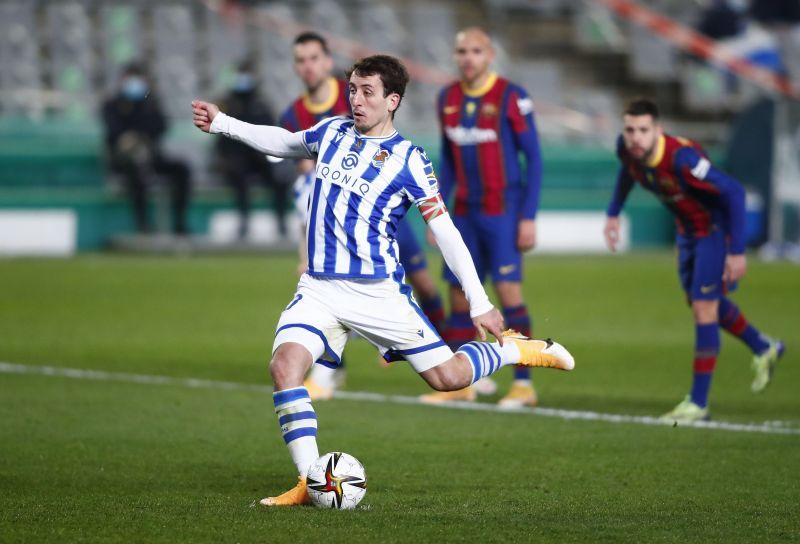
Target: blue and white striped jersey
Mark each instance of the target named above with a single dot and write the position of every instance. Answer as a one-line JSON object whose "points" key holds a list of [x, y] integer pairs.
{"points": [[363, 187]]}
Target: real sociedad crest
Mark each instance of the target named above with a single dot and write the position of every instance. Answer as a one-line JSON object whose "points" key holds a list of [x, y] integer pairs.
{"points": [[379, 158]]}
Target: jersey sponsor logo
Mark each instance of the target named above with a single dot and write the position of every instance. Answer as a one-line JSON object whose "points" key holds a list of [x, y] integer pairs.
{"points": [[701, 168], [340, 178], [379, 158], [350, 161], [429, 174], [525, 105], [667, 182], [507, 269], [461, 135]]}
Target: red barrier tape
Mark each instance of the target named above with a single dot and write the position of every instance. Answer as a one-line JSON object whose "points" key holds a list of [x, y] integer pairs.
{"points": [[698, 44]]}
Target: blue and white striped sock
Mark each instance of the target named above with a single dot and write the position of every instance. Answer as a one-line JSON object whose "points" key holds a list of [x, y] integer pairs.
{"points": [[298, 423], [488, 358]]}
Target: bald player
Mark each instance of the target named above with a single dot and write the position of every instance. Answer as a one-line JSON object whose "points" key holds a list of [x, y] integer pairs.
{"points": [[486, 123]]}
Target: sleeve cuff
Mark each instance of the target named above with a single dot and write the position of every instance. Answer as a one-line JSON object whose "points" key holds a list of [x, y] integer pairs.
{"points": [[220, 124]]}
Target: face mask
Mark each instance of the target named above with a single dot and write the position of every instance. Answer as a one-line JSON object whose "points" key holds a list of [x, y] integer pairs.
{"points": [[244, 82], [134, 88]]}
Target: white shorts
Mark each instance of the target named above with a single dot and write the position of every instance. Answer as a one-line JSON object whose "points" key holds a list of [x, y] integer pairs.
{"points": [[383, 312]]}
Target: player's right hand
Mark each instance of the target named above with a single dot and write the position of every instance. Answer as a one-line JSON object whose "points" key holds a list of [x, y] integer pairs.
{"points": [[491, 321], [203, 114], [611, 232]]}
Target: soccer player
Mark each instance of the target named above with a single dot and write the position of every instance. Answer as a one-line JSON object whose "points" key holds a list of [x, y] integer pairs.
{"points": [[326, 96], [367, 176], [708, 206], [486, 122]]}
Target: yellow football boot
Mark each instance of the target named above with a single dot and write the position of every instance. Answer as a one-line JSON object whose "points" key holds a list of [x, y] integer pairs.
{"points": [[540, 353], [467, 394], [296, 496], [764, 365], [521, 394], [686, 412], [316, 391]]}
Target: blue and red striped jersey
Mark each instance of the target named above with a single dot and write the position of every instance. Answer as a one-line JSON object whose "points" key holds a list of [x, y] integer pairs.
{"points": [[700, 196], [303, 114], [483, 133]]}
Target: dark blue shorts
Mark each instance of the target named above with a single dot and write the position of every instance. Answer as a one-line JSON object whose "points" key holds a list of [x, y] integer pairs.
{"points": [[412, 256], [492, 242], [701, 264]]}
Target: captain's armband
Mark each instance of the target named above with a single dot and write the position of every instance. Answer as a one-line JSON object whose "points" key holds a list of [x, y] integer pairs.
{"points": [[432, 208]]}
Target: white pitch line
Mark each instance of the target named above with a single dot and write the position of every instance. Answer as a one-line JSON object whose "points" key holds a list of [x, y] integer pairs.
{"points": [[775, 427]]}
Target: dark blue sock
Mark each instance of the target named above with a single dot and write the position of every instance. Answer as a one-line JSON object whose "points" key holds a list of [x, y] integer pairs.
{"points": [[517, 318], [459, 331], [732, 320], [434, 311], [705, 359]]}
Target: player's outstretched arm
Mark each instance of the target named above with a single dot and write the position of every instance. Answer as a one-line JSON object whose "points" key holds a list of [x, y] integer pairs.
{"points": [[270, 140], [203, 114], [611, 232]]}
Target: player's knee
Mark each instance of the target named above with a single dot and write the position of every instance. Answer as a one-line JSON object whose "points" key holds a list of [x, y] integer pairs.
{"points": [[705, 311], [446, 381], [283, 371]]}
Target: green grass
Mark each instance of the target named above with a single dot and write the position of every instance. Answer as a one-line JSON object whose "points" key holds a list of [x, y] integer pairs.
{"points": [[118, 462]]}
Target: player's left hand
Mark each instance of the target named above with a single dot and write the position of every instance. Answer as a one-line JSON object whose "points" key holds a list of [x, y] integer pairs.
{"points": [[526, 234], [491, 321], [735, 267]]}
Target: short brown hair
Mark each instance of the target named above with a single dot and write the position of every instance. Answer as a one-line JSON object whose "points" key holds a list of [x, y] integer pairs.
{"points": [[642, 106], [393, 74], [307, 37]]}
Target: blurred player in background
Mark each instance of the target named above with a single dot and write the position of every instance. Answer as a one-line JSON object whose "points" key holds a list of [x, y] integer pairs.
{"points": [[709, 209], [486, 121], [367, 177], [325, 97]]}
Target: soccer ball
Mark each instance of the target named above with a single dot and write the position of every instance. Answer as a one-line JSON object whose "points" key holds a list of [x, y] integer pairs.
{"points": [[336, 480]]}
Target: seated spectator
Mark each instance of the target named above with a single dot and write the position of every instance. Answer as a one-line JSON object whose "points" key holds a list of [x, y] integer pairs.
{"points": [[239, 163], [134, 125]]}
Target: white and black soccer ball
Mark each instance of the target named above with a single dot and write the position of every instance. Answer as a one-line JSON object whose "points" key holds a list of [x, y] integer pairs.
{"points": [[336, 480]]}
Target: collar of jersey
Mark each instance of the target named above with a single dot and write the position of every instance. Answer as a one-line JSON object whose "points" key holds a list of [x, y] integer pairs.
{"points": [[483, 89], [328, 104], [659, 153], [359, 135]]}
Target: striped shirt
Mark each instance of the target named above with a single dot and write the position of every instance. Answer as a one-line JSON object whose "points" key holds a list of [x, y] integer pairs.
{"points": [[363, 187]]}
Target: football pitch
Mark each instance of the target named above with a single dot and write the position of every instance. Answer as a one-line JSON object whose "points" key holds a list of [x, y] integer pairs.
{"points": [[135, 407]]}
